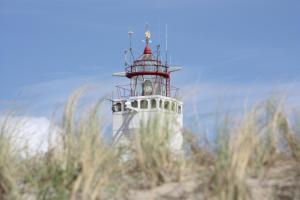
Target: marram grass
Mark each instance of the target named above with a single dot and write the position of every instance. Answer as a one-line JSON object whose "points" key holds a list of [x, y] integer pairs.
{"points": [[254, 157]]}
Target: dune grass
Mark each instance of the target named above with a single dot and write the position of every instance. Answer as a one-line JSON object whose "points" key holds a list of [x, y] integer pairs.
{"points": [[254, 157]]}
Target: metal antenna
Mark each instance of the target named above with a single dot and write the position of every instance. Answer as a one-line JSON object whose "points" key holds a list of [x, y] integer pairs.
{"points": [[166, 37], [130, 33], [166, 44], [159, 33], [125, 57], [158, 51]]}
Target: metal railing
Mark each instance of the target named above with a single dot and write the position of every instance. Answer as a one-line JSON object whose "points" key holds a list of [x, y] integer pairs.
{"points": [[146, 68], [125, 91]]}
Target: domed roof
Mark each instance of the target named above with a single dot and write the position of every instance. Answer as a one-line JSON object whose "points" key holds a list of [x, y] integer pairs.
{"points": [[147, 50], [147, 60]]}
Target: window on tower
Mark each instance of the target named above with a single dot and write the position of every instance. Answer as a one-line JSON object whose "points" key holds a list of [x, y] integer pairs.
{"points": [[173, 106], [117, 107], [153, 103], [144, 104], [134, 104], [124, 106], [167, 104], [179, 109]]}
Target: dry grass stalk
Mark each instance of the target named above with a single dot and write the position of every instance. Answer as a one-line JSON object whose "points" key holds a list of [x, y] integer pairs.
{"points": [[249, 154]]}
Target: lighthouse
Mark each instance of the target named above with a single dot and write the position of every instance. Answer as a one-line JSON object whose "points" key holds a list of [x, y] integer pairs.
{"points": [[148, 95]]}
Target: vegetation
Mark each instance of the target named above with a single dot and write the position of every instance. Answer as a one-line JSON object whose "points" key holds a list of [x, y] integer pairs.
{"points": [[255, 157]]}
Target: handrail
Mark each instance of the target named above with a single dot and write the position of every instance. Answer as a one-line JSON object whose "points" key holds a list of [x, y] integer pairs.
{"points": [[151, 68], [125, 91]]}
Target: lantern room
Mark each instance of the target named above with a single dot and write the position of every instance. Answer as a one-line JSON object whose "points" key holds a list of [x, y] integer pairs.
{"points": [[148, 75]]}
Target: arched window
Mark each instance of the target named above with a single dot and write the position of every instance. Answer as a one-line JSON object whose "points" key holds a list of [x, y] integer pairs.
{"points": [[144, 104], [173, 106], [179, 109], [134, 104], [167, 105], [117, 107], [160, 103], [153, 103], [124, 106]]}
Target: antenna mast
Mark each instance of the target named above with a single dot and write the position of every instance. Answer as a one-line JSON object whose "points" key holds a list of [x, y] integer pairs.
{"points": [[166, 44], [158, 52], [130, 33]]}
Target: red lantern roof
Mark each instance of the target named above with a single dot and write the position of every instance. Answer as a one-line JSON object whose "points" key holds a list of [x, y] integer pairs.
{"points": [[147, 50]]}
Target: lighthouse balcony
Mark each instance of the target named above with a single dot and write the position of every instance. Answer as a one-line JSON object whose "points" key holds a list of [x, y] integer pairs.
{"points": [[148, 104], [147, 69], [147, 66]]}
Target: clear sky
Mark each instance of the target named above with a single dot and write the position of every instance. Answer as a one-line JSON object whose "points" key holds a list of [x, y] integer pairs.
{"points": [[236, 48]]}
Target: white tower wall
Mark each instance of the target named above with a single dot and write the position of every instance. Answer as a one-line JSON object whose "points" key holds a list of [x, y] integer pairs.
{"points": [[146, 108]]}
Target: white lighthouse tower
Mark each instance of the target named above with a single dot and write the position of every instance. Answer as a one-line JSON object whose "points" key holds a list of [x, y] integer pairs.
{"points": [[148, 95]]}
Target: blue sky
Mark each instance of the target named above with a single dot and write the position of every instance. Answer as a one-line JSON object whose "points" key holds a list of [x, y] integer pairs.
{"points": [[230, 49]]}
